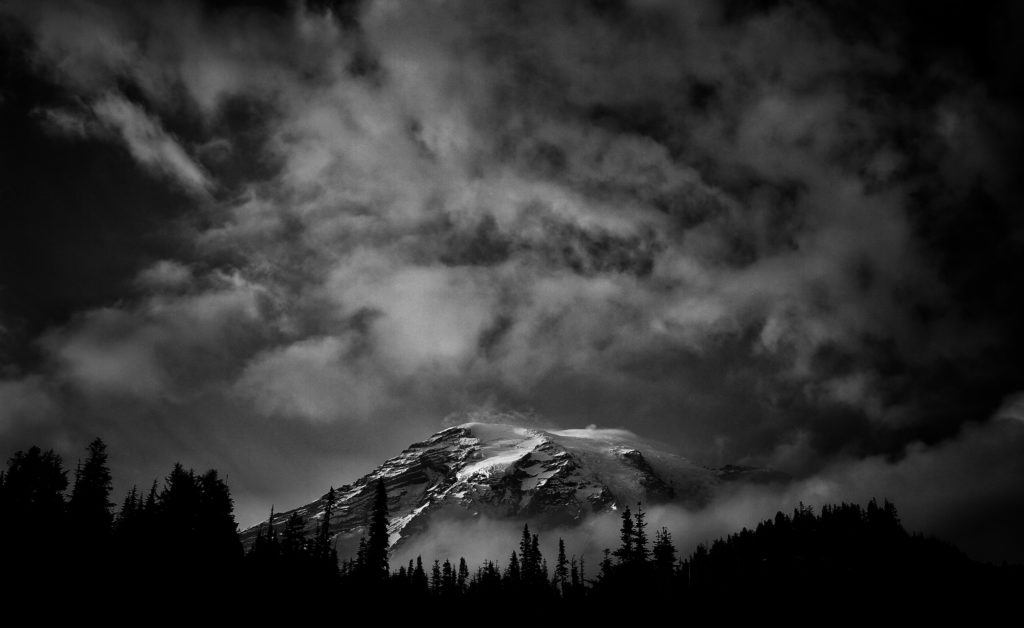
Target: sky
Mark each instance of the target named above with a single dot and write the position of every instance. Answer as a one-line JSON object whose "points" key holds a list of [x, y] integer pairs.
{"points": [[287, 239]]}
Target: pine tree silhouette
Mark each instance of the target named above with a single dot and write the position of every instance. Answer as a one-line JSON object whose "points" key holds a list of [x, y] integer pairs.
{"points": [[435, 579], [90, 508], [562, 568], [513, 574], [419, 578], [182, 542], [216, 529], [639, 536], [293, 538], [32, 517], [377, 544], [625, 552], [325, 554], [463, 576], [664, 553]]}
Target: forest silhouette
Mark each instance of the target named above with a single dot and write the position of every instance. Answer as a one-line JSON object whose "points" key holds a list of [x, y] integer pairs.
{"points": [[179, 539]]}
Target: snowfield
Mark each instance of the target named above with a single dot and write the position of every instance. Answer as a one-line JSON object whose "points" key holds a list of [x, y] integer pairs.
{"points": [[508, 471]]}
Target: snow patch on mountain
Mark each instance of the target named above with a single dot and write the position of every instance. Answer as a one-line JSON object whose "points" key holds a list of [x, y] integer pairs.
{"points": [[501, 471]]}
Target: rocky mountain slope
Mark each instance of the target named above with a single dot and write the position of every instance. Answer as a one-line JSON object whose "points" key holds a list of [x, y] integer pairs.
{"points": [[548, 477]]}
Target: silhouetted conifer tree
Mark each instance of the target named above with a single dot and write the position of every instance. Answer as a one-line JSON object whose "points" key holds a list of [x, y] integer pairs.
{"points": [[293, 537], [435, 578], [419, 577], [513, 574], [32, 516], [625, 551], [664, 553], [376, 554], [463, 575], [561, 568], [324, 552], [89, 509], [640, 536], [216, 529], [448, 583], [127, 516]]}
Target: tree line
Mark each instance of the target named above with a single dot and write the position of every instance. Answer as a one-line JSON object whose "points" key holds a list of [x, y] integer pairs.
{"points": [[180, 535], [182, 530]]}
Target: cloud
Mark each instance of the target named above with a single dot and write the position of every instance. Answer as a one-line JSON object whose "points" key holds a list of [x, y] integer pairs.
{"points": [[745, 231], [25, 401], [319, 379], [107, 357], [429, 317], [165, 347], [965, 490], [165, 275], [149, 143], [145, 138]]}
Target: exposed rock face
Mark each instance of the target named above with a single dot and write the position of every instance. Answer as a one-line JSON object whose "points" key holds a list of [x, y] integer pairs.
{"points": [[507, 471]]}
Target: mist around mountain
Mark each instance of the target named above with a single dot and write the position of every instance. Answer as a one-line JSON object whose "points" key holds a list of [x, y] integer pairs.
{"points": [[488, 478], [176, 544]]}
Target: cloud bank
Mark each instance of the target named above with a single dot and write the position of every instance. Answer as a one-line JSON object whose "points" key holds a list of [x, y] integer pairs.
{"points": [[775, 234]]}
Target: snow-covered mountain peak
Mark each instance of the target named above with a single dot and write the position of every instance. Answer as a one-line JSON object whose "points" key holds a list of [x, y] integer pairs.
{"points": [[512, 471]]}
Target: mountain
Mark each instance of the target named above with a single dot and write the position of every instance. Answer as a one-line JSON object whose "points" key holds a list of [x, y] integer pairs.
{"points": [[547, 477]]}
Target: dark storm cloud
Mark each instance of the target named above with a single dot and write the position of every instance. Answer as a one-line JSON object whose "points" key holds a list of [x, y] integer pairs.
{"points": [[783, 234]]}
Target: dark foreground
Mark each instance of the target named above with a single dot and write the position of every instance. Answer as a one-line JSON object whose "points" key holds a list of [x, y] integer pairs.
{"points": [[173, 552]]}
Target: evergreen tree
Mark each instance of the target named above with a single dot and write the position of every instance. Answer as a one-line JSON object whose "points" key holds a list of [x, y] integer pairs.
{"points": [[526, 554], [293, 538], [640, 536], [435, 578], [664, 553], [325, 554], [271, 531], [90, 508], [360, 565], [625, 551], [513, 574], [463, 575], [538, 568], [530, 559], [127, 516], [561, 568], [147, 512], [216, 528], [419, 577], [135, 555], [176, 515], [34, 485], [128, 533], [377, 543], [447, 579], [32, 514]]}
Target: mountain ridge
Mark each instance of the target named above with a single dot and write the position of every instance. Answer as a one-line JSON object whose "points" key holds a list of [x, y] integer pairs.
{"points": [[506, 471]]}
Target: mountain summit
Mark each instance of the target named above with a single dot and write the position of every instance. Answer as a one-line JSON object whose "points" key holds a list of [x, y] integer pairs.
{"points": [[548, 477]]}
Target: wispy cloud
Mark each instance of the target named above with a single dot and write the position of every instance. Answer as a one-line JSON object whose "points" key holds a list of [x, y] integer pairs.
{"points": [[149, 143], [724, 228]]}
